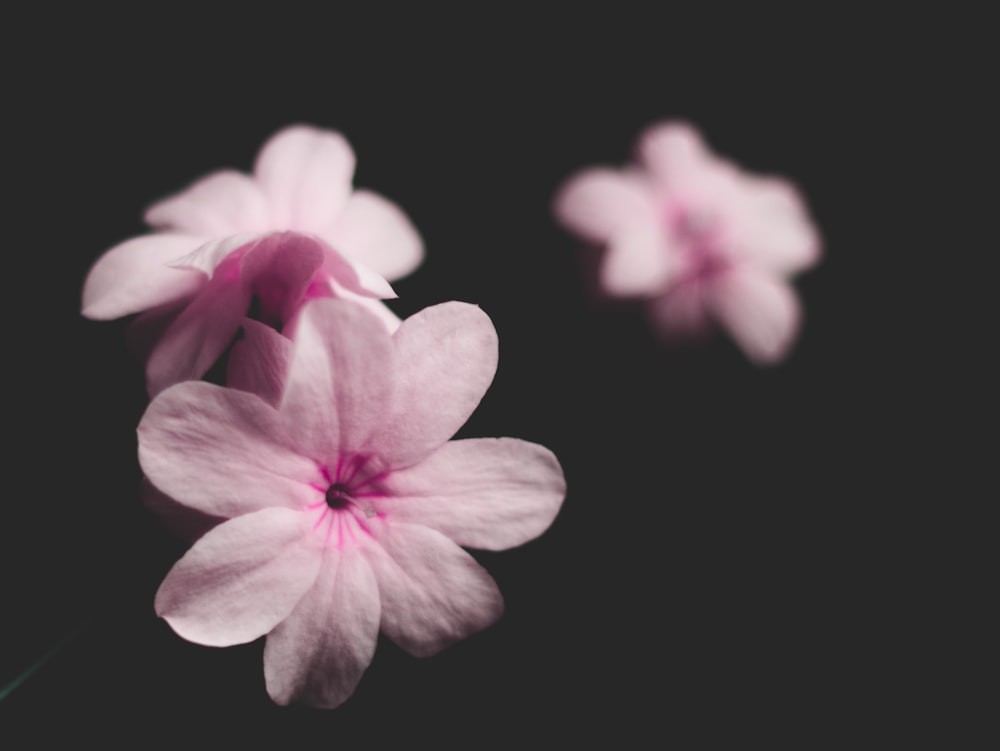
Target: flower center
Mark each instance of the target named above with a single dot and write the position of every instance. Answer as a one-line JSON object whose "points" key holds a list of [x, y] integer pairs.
{"points": [[699, 234], [337, 497]]}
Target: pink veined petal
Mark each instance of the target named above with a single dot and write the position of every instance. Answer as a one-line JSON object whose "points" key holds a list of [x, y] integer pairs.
{"points": [[760, 311], [376, 232], [258, 363], [184, 521], [447, 357], [599, 201], [773, 228], [640, 261], [340, 378], [222, 452], [306, 174], [318, 654], [135, 276], [433, 592], [278, 269], [488, 493], [223, 203], [242, 578], [680, 313], [201, 332], [671, 151]]}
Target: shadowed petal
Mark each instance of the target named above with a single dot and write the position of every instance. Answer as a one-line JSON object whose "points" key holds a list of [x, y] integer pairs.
{"points": [[223, 203], [599, 201], [433, 592], [680, 314], [318, 654], [447, 357], [376, 232], [278, 269], [134, 276], [201, 332], [147, 328], [306, 175], [489, 493], [340, 377], [241, 579], [184, 521], [761, 313], [223, 452], [259, 362]]}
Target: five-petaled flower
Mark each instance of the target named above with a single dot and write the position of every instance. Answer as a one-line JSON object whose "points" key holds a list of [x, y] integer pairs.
{"points": [[344, 501], [294, 230], [699, 239]]}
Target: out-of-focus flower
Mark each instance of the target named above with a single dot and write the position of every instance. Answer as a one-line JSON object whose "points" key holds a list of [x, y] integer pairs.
{"points": [[292, 231], [344, 501], [701, 240]]}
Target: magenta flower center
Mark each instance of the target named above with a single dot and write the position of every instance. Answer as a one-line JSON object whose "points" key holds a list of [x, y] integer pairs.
{"points": [[700, 234], [338, 497], [346, 505]]}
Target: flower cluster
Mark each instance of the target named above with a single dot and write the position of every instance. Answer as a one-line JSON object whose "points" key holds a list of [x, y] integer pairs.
{"points": [[293, 231], [320, 488], [701, 241]]}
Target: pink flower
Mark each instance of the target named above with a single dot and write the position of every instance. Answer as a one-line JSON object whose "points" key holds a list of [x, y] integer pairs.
{"points": [[292, 231], [702, 241], [344, 503]]}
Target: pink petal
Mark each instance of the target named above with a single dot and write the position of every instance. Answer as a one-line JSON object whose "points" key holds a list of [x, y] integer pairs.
{"points": [[433, 592], [489, 493], [134, 276], [318, 654], [278, 269], [773, 228], [680, 313], [340, 378], [599, 201], [760, 311], [183, 521], [377, 233], [640, 261], [447, 357], [306, 175], [242, 578], [258, 363], [223, 203], [199, 335], [222, 452], [671, 151]]}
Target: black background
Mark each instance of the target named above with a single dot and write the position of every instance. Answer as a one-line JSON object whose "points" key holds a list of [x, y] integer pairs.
{"points": [[744, 555]]}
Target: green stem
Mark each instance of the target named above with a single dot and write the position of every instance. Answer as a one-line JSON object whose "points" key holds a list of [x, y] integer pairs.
{"points": [[39, 663]]}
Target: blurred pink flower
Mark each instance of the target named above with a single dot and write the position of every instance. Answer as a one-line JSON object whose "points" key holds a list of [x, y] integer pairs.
{"points": [[702, 241], [344, 501], [226, 239]]}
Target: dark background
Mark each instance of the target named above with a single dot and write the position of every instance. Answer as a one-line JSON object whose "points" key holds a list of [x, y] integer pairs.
{"points": [[744, 555]]}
